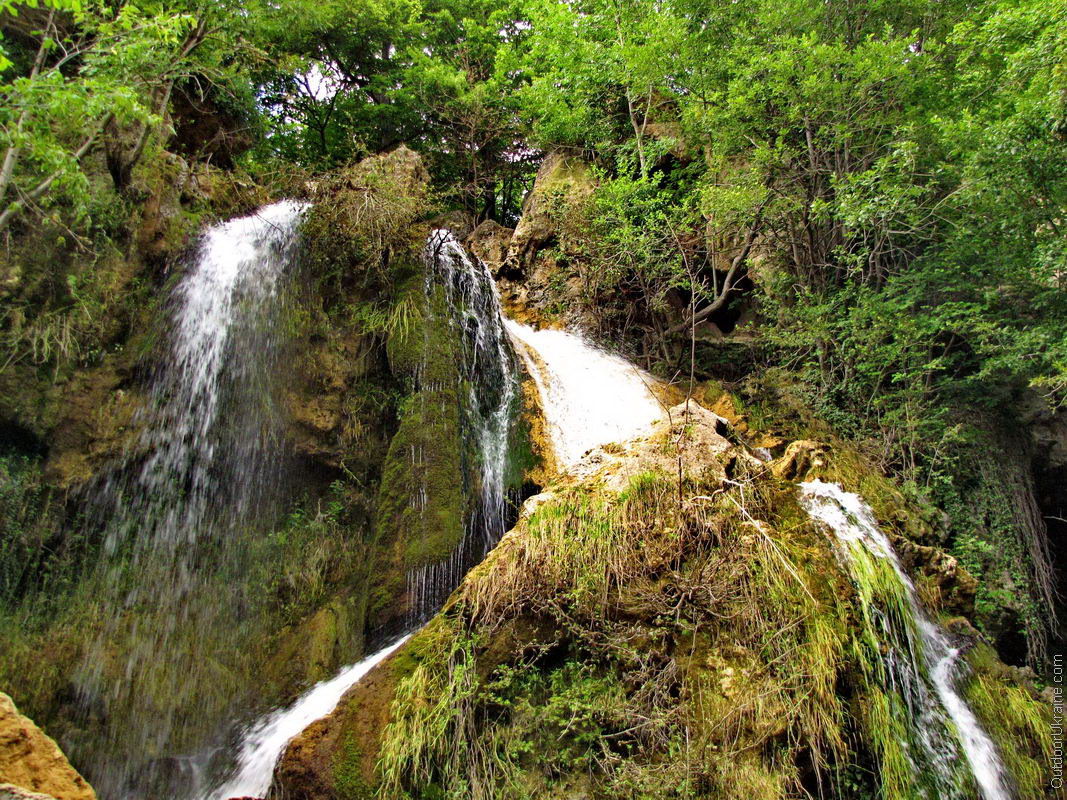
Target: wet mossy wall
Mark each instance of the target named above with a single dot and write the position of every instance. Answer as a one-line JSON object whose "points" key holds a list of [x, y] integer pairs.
{"points": [[423, 503], [309, 575]]}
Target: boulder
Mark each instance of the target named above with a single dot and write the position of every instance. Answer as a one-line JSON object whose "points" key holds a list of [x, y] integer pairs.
{"points": [[955, 587], [560, 179], [800, 459], [336, 756], [490, 242], [33, 762]]}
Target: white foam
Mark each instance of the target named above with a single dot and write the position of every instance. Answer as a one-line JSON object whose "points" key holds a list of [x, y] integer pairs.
{"points": [[589, 397]]}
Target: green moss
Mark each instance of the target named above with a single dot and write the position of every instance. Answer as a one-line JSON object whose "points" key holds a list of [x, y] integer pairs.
{"points": [[1017, 722], [361, 231], [348, 781], [423, 501], [638, 691], [413, 337], [421, 506]]}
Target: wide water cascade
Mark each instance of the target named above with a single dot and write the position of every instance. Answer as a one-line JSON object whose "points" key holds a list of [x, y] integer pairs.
{"points": [[945, 744], [589, 397], [179, 515]]}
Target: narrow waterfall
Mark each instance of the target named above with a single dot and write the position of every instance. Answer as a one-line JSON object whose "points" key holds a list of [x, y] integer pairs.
{"points": [[263, 742], [589, 397], [178, 515], [918, 662], [488, 377]]}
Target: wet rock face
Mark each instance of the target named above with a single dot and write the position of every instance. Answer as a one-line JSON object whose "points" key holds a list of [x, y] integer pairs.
{"points": [[800, 459], [31, 762], [955, 587], [336, 756]]}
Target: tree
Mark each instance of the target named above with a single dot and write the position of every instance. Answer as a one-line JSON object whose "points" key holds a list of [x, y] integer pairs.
{"points": [[89, 69]]}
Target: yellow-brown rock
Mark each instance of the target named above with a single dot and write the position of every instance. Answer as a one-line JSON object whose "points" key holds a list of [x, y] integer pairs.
{"points": [[11, 792], [31, 760], [800, 459]]}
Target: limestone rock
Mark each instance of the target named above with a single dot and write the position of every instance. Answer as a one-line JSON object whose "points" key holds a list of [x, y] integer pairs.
{"points": [[801, 457], [403, 166], [534, 502], [955, 586], [10, 792], [31, 760], [559, 178], [490, 242]]}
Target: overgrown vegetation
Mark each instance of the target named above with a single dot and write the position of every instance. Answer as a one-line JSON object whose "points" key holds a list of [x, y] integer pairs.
{"points": [[869, 198], [25, 527], [643, 644]]}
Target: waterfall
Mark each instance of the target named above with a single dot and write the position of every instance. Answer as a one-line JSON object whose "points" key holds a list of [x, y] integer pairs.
{"points": [[177, 516], [589, 397], [262, 742], [919, 662], [487, 373]]}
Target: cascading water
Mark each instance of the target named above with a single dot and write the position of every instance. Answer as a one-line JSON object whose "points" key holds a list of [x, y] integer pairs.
{"points": [[918, 661], [589, 397], [263, 742], [488, 380], [179, 514]]}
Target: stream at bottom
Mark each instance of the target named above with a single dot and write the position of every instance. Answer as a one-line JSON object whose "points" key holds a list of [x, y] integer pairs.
{"points": [[264, 741]]}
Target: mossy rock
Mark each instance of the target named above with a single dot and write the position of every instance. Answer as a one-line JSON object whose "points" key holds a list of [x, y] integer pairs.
{"points": [[336, 757], [422, 503], [712, 616]]}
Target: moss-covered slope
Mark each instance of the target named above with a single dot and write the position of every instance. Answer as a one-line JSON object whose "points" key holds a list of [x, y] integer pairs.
{"points": [[672, 625]]}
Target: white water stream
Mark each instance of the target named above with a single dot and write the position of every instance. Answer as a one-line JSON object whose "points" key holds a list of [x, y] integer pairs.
{"points": [[929, 649], [265, 740], [178, 513], [589, 397]]}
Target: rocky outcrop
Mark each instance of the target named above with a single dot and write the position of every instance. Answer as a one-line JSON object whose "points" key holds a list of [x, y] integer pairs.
{"points": [[490, 242], [336, 756], [527, 274], [801, 458], [560, 179], [665, 581], [31, 761], [952, 588]]}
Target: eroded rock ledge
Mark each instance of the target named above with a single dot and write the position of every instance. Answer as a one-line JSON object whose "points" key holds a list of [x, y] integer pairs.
{"points": [[31, 763]]}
